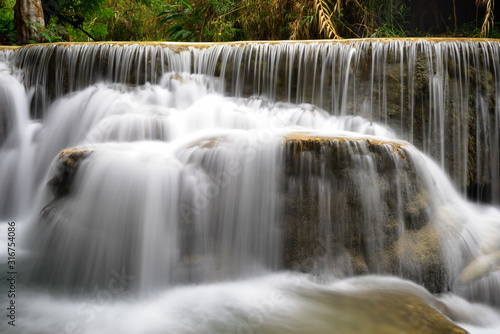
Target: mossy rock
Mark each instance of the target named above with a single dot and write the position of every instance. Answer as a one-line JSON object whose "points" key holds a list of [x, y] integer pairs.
{"points": [[353, 203]]}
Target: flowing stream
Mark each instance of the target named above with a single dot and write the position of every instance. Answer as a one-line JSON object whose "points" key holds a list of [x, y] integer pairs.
{"points": [[292, 187]]}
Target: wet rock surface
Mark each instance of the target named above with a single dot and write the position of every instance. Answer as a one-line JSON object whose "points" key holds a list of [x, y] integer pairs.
{"points": [[352, 206], [67, 165], [358, 206], [4, 124], [379, 312]]}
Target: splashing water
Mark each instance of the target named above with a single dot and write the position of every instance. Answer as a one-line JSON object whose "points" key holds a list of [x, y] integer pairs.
{"points": [[255, 188]]}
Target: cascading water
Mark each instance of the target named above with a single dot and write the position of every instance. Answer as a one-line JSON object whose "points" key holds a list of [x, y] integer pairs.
{"points": [[252, 188]]}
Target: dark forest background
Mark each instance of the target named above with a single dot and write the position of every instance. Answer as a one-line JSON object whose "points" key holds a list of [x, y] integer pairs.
{"points": [[231, 20]]}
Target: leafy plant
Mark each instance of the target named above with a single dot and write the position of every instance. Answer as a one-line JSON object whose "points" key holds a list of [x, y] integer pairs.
{"points": [[394, 21], [214, 21], [494, 31], [183, 20], [50, 34], [225, 25], [134, 20], [8, 33], [75, 13]]}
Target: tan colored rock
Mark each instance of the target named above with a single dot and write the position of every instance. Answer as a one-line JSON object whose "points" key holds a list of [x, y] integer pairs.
{"points": [[481, 267], [208, 143], [67, 165], [375, 312]]}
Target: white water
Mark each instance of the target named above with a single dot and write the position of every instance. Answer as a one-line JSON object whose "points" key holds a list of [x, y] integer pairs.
{"points": [[181, 195], [433, 94], [279, 303]]}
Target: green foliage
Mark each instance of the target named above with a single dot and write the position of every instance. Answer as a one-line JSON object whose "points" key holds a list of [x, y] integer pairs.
{"points": [[50, 34], [300, 22], [225, 25], [134, 20], [395, 21], [75, 15], [266, 19], [227, 20], [8, 33], [112, 20], [470, 29], [494, 31], [214, 21], [182, 20], [76, 12]]}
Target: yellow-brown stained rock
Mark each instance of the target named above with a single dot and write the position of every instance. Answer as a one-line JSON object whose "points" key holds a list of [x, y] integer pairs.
{"points": [[375, 312], [355, 206]]}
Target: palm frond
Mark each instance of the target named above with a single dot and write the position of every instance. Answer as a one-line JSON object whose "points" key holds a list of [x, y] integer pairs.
{"points": [[325, 14], [488, 17]]}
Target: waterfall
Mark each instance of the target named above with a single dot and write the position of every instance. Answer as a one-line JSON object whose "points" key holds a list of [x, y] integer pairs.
{"points": [[436, 94], [339, 173]]}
